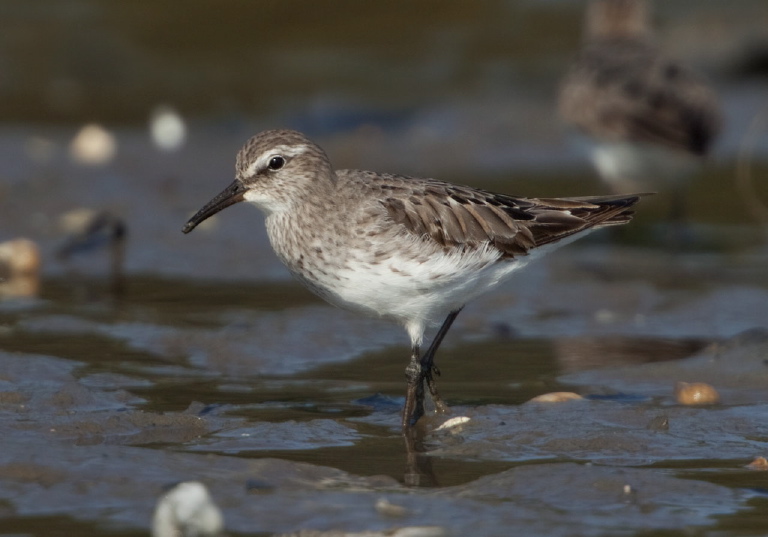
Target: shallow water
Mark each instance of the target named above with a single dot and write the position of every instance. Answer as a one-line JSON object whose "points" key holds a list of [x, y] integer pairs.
{"points": [[211, 364], [242, 385]]}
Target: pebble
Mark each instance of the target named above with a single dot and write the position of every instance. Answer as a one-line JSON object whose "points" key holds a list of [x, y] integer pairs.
{"points": [[758, 464], [555, 397], [696, 393]]}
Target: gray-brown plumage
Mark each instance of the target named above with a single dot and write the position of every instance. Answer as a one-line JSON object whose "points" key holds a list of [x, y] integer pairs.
{"points": [[407, 249], [650, 115], [455, 216]]}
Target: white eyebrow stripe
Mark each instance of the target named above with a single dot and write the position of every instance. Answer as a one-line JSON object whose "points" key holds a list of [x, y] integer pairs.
{"points": [[287, 151]]}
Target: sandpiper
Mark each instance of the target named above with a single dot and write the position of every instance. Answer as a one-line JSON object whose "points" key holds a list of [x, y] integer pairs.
{"points": [[647, 117], [407, 249]]}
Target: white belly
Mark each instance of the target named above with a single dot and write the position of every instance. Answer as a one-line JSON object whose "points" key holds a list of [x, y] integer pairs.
{"points": [[422, 293]]}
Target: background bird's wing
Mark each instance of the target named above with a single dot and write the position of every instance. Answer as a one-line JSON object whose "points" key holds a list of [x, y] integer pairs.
{"points": [[626, 90]]}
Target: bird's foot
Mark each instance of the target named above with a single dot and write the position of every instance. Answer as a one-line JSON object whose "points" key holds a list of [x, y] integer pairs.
{"points": [[418, 375], [440, 406], [414, 395]]}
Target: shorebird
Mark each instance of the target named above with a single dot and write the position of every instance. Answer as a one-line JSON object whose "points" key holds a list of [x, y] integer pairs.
{"points": [[407, 249], [648, 117]]}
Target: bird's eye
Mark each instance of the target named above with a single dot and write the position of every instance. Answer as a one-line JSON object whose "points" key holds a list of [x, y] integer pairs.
{"points": [[275, 163]]}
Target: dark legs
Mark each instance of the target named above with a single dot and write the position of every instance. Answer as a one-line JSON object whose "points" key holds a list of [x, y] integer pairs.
{"points": [[414, 392], [420, 370], [428, 361]]}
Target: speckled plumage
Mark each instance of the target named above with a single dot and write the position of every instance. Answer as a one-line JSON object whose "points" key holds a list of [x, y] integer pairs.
{"points": [[407, 249], [650, 116]]}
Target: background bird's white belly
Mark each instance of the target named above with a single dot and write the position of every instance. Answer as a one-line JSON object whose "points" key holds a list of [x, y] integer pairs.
{"points": [[631, 166]]}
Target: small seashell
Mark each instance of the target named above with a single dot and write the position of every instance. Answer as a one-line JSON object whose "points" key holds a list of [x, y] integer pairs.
{"points": [[453, 422], [758, 464], [19, 268], [386, 508], [696, 393], [417, 531], [167, 128], [93, 145], [187, 509], [555, 397], [19, 257]]}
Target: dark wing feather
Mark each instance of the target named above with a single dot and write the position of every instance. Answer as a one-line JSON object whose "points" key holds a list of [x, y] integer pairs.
{"points": [[455, 216], [557, 218]]}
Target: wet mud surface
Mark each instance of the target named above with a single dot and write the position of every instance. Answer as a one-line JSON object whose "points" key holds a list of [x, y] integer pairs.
{"points": [[288, 410]]}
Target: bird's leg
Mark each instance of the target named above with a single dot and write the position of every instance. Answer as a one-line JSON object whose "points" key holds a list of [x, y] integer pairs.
{"points": [[414, 394], [428, 361], [423, 369]]}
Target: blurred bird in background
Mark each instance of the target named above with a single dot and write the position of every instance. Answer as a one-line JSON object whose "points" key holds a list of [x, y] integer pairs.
{"points": [[648, 119]]}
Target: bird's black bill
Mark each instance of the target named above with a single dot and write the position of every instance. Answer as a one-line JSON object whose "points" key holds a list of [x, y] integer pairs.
{"points": [[231, 195]]}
